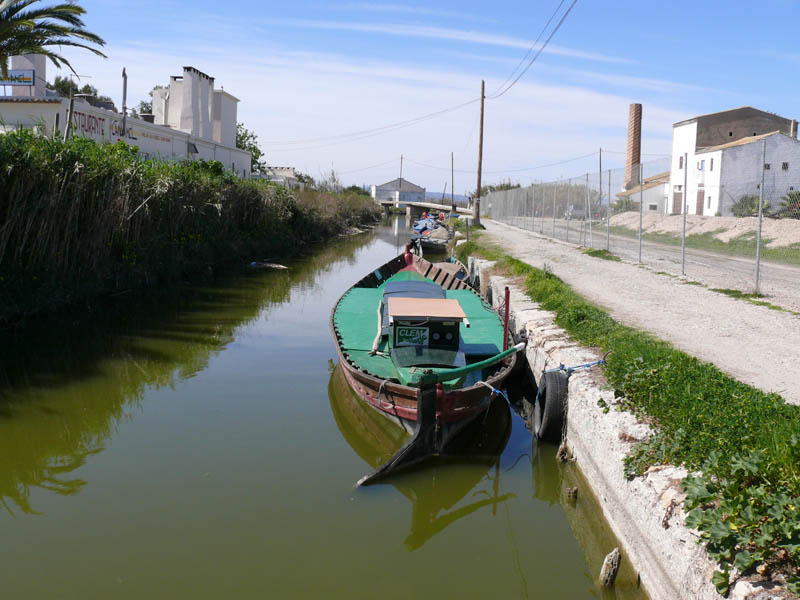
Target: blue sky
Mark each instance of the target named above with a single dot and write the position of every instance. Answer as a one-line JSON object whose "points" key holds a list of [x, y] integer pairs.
{"points": [[307, 70]]}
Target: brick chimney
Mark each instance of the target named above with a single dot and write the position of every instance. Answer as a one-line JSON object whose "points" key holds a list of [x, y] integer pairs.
{"points": [[793, 129], [633, 153]]}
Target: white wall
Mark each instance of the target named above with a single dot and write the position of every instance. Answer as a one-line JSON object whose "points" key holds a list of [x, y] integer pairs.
{"points": [[103, 125], [683, 141], [225, 109], [741, 171], [706, 170]]}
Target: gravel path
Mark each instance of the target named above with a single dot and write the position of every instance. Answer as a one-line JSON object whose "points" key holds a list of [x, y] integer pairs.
{"points": [[754, 344]]}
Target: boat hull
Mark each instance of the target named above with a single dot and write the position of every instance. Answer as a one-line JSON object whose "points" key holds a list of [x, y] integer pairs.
{"points": [[455, 408]]}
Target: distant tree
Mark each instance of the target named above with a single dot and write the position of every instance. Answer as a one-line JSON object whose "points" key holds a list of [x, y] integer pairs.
{"points": [[747, 206], [26, 27], [623, 204], [356, 189], [145, 107], [247, 140], [305, 179], [499, 187], [66, 87]]}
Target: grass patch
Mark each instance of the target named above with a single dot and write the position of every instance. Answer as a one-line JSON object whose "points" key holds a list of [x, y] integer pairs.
{"points": [[752, 298], [604, 254], [744, 441], [697, 283]]}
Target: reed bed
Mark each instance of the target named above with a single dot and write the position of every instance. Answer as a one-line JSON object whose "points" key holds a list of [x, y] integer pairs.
{"points": [[78, 219]]}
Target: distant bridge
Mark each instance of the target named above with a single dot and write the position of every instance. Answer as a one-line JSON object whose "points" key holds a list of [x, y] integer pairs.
{"points": [[415, 209]]}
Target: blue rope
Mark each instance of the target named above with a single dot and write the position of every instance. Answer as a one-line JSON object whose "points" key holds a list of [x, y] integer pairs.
{"points": [[495, 391], [570, 370]]}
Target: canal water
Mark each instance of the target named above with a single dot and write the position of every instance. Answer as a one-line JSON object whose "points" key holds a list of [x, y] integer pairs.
{"points": [[203, 444]]}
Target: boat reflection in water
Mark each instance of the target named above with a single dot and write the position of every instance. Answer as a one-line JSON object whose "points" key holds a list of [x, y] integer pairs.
{"points": [[435, 487]]}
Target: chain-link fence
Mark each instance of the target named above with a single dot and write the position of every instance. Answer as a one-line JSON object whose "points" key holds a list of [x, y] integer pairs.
{"points": [[714, 235]]}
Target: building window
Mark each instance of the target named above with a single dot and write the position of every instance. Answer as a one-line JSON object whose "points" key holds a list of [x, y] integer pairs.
{"points": [[766, 166], [652, 207], [680, 162], [711, 165], [701, 165], [730, 134], [785, 166], [709, 202], [678, 188]]}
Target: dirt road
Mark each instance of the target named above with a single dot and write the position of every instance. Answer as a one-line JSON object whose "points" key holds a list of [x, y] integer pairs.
{"points": [[754, 344]]}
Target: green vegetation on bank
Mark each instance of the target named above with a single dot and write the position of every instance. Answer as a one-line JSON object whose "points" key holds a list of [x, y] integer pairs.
{"points": [[79, 219], [746, 503]]}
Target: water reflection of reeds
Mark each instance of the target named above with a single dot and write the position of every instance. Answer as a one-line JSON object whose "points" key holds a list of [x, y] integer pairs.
{"points": [[66, 383]]}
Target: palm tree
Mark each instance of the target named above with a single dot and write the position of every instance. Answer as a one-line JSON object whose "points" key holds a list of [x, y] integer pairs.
{"points": [[27, 29]]}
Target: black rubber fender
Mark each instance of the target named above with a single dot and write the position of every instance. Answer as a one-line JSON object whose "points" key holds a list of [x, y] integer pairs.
{"points": [[550, 412]]}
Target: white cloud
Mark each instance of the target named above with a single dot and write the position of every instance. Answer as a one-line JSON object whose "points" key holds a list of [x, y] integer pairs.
{"points": [[441, 33], [412, 10], [299, 95]]}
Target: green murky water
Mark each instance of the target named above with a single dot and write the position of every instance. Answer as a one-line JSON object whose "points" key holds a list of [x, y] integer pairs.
{"points": [[202, 445]]}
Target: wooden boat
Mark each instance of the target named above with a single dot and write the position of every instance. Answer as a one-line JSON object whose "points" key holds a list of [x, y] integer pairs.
{"points": [[424, 349], [433, 238]]}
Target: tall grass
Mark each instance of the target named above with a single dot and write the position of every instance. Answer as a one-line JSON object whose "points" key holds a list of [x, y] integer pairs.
{"points": [[78, 218]]}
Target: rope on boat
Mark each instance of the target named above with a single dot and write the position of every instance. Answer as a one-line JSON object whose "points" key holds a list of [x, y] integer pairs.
{"points": [[570, 370], [495, 392], [377, 340]]}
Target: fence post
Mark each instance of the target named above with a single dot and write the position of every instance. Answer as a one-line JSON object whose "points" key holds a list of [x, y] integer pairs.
{"points": [[533, 196], [684, 208], [541, 221], [760, 212], [591, 235], [586, 211], [641, 208], [569, 205], [608, 215], [554, 209]]}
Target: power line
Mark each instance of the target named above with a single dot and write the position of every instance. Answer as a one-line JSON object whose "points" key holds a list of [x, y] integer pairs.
{"points": [[357, 135], [285, 145], [497, 172], [538, 53], [522, 60], [383, 164]]}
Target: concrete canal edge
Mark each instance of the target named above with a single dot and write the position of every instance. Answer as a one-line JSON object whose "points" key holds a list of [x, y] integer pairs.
{"points": [[645, 513]]}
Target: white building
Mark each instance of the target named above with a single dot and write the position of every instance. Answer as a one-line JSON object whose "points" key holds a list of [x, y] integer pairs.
{"points": [[191, 119], [719, 155], [398, 190], [653, 193]]}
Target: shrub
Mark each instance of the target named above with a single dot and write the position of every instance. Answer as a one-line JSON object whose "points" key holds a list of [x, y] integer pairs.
{"points": [[78, 218]]}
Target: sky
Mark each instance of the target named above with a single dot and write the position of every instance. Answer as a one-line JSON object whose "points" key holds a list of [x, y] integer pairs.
{"points": [[309, 73]]}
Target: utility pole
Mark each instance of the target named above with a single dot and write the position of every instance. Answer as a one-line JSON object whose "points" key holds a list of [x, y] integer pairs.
{"points": [[400, 185], [760, 213], [124, 101], [476, 211], [452, 186]]}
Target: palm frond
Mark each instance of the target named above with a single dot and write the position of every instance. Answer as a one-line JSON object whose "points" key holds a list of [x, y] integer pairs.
{"points": [[26, 27]]}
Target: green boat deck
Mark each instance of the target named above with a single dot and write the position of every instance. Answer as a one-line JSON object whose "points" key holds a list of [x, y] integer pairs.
{"points": [[356, 319]]}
